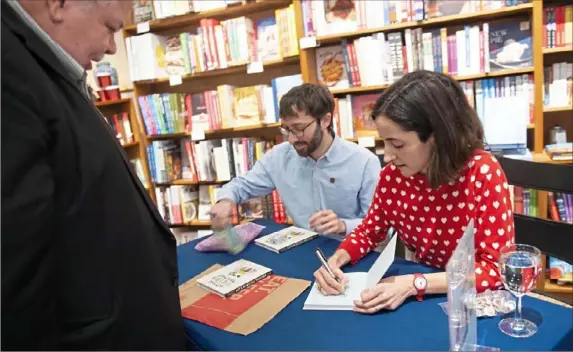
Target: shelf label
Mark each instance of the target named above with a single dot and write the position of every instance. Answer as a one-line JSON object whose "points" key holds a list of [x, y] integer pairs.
{"points": [[366, 142], [197, 135], [255, 67], [307, 42], [175, 80], [143, 27]]}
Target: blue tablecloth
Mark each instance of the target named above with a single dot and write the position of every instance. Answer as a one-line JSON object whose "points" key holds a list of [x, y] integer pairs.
{"points": [[413, 326]]}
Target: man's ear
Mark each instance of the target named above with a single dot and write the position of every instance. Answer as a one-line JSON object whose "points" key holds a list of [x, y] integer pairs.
{"points": [[56, 9], [326, 120]]}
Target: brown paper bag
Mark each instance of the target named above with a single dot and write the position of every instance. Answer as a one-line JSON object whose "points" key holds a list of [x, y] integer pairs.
{"points": [[244, 312]]}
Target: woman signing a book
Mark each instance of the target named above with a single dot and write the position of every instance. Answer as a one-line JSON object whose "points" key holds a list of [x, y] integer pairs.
{"points": [[438, 178]]}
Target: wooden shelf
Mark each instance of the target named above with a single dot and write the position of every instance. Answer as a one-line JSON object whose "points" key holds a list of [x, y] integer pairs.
{"points": [[196, 223], [189, 183], [558, 109], [130, 144], [501, 73], [211, 134], [544, 158], [100, 104], [377, 139], [190, 19], [552, 287], [482, 15], [563, 49], [233, 70]]}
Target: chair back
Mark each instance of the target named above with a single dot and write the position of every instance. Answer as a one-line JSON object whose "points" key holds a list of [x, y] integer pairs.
{"points": [[551, 237]]}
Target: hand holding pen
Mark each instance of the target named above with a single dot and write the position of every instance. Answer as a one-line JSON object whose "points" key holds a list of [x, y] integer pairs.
{"points": [[329, 278]]}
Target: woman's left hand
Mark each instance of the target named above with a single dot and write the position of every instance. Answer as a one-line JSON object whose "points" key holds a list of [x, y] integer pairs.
{"points": [[389, 294]]}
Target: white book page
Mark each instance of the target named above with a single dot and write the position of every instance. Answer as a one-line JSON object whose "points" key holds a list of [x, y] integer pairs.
{"points": [[381, 264], [318, 301]]}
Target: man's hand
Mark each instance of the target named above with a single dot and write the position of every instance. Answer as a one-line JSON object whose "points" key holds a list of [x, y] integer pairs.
{"points": [[326, 222], [221, 214]]}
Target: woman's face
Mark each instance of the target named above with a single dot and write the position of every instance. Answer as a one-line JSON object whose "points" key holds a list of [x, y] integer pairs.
{"points": [[403, 148]]}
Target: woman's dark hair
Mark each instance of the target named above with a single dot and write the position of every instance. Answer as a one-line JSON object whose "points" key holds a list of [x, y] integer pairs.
{"points": [[310, 99], [431, 103]]}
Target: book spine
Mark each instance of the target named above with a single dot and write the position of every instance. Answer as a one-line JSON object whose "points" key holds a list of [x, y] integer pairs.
{"points": [[297, 243]]}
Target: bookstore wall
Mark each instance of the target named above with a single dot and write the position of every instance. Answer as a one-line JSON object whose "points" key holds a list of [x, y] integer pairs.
{"points": [[200, 105]]}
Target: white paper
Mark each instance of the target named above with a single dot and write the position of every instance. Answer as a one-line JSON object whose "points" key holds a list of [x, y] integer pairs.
{"points": [[175, 80], [142, 27], [357, 282], [255, 67], [366, 142], [197, 135], [307, 42]]}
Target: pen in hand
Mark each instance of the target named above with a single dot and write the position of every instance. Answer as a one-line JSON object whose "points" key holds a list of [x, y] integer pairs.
{"points": [[322, 259]]}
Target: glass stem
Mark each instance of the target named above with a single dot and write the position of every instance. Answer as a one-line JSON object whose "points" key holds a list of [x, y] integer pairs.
{"points": [[518, 311]]}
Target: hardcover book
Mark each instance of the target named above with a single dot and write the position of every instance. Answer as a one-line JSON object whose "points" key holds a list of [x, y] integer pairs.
{"points": [[233, 278], [285, 239], [510, 45]]}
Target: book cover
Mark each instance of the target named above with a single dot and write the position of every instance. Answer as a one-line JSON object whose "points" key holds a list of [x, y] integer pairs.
{"points": [[510, 45], [330, 67], [362, 105], [234, 277], [142, 11], [285, 239], [268, 39]]}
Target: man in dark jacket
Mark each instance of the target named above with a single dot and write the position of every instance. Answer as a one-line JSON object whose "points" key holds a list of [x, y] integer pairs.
{"points": [[87, 261]]}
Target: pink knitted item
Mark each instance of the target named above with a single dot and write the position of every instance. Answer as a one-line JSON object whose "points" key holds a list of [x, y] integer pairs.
{"points": [[247, 232]]}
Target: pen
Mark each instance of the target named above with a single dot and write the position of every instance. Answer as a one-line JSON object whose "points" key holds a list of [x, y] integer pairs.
{"points": [[322, 259]]}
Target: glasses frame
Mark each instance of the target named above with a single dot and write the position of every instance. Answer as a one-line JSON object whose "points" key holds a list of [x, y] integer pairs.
{"points": [[298, 134]]}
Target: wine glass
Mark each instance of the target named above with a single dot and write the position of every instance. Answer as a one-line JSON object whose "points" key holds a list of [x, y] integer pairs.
{"points": [[519, 268]]}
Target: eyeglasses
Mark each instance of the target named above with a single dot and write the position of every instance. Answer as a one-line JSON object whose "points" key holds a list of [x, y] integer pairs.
{"points": [[297, 133]]}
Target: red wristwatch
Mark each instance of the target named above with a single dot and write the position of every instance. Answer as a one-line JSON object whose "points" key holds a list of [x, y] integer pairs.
{"points": [[420, 284]]}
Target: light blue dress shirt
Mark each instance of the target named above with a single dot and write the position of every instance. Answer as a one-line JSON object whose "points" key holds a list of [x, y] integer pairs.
{"points": [[342, 180]]}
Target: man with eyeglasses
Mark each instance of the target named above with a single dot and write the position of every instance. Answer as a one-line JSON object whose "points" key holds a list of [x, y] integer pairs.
{"points": [[326, 183]]}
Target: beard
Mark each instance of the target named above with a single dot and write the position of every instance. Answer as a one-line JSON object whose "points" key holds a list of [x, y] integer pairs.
{"points": [[304, 149]]}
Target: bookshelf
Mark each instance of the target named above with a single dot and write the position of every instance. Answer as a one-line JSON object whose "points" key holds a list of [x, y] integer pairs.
{"points": [[305, 63], [134, 148]]}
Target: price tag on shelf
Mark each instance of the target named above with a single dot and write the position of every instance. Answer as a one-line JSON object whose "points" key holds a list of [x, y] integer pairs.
{"points": [[255, 67], [197, 135], [366, 142], [143, 27], [307, 42], [175, 80]]}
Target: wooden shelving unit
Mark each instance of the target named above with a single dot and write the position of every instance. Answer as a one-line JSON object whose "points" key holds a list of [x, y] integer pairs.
{"points": [[305, 64]]}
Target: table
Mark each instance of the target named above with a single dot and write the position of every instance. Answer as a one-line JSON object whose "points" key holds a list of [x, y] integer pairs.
{"points": [[413, 326]]}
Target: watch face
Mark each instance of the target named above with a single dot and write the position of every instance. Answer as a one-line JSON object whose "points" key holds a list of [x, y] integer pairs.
{"points": [[420, 283]]}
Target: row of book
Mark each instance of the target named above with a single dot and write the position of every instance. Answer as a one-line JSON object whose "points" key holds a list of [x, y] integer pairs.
{"points": [[184, 204], [383, 58], [147, 10], [560, 207], [558, 85], [526, 200], [121, 125], [138, 168], [224, 107], [215, 45], [216, 160], [503, 104], [557, 26], [322, 18]]}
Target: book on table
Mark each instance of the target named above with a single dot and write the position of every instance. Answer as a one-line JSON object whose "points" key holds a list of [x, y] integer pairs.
{"points": [[285, 239], [357, 282], [233, 277]]}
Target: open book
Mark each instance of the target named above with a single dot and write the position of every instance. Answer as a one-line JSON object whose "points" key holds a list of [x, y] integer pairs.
{"points": [[285, 239], [358, 282]]}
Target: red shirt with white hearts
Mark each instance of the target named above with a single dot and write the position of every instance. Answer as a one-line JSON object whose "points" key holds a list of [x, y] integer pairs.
{"points": [[430, 222]]}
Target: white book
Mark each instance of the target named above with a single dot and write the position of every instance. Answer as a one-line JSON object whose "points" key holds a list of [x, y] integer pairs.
{"points": [[358, 282], [285, 239], [233, 278]]}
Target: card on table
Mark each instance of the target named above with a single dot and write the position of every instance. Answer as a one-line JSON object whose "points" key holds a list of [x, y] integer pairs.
{"points": [[357, 283]]}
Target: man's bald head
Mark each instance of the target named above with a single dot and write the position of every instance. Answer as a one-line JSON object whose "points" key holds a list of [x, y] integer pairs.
{"points": [[84, 28]]}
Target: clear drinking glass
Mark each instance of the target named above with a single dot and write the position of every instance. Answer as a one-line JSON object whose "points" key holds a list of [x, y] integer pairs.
{"points": [[519, 268]]}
